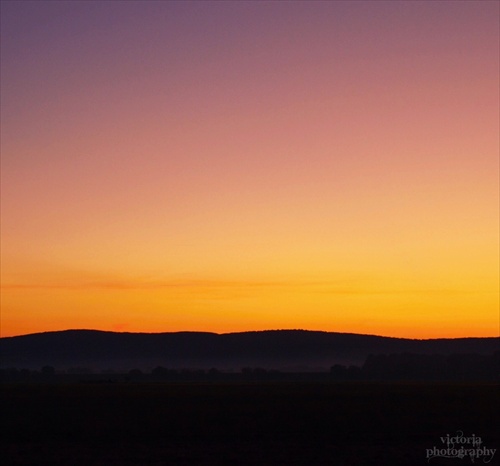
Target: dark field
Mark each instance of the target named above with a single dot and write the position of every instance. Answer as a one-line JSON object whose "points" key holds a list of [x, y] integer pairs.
{"points": [[296, 423]]}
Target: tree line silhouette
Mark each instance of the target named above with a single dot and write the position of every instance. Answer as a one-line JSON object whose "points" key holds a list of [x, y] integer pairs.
{"points": [[412, 366], [377, 367]]}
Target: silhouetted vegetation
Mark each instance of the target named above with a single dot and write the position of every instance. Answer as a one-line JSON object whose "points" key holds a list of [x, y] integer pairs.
{"points": [[48, 371], [381, 367], [387, 411], [409, 367]]}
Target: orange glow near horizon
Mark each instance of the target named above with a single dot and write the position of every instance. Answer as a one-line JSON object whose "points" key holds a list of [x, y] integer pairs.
{"points": [[226, 167]]}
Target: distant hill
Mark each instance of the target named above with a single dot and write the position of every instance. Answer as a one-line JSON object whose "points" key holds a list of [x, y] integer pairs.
{"points": [[274, 349]]}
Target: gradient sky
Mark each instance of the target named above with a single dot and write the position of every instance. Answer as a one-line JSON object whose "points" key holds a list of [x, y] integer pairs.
{"points": [[232, 166]]}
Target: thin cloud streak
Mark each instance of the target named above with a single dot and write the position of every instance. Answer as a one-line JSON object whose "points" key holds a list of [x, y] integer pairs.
{"points": [[321, 287]]}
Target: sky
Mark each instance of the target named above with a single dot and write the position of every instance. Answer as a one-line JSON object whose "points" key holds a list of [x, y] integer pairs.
{"points": [[234, 166]]}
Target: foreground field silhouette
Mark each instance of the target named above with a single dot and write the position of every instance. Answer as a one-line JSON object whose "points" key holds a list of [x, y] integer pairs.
{"points": [[259, 423]]}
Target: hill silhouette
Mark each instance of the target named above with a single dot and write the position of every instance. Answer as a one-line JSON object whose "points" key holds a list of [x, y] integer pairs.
{"points": [[272, 349]]}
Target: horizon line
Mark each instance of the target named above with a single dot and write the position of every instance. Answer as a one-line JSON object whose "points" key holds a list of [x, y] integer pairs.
{"points": [[240, 332]]}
